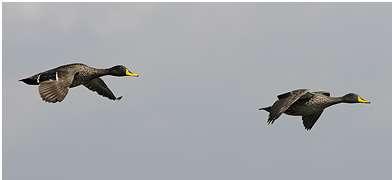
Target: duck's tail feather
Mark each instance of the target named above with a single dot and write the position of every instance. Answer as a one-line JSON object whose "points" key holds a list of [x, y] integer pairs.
{"points": [[30, 81], [268, 109]]}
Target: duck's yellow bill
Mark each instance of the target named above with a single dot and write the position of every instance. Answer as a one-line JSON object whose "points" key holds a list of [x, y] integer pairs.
{"points": [[129, 73], [362, 100]]}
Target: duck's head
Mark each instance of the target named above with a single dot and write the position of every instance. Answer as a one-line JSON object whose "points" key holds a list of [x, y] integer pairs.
{"points": [[354, 98], [121, 70]]}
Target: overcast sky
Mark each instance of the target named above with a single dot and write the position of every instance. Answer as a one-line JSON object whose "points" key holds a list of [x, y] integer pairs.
{"points": [[205, 69]]}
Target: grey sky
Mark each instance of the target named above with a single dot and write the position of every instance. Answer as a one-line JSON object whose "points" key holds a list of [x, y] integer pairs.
{"points": [[205, 70]]}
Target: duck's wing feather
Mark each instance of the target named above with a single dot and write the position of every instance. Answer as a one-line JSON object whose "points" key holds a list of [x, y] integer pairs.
{"points": [[55, 90], [310, 120], [285, 101], [292, 93], [99, 86], [323, 92]]}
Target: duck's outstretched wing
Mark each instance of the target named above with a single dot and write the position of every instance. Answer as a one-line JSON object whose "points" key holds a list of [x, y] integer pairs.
{"points": [[284, 102], [55, 90], [292, 93], [99, 86], [310, 120]]}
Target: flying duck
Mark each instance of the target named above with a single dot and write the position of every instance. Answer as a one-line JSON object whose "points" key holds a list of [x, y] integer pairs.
{"points": [[53, 84], [309, 105]]}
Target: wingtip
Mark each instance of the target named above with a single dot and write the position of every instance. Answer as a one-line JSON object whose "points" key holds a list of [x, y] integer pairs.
{"points": [[118, 98], [308, 129]]}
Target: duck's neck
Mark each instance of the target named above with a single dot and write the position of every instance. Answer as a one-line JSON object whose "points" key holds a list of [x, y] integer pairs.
{"points": [[335, 100], [102, 72]]}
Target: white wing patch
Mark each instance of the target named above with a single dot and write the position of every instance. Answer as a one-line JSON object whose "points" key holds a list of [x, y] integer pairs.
{"points": [[39, 75]]}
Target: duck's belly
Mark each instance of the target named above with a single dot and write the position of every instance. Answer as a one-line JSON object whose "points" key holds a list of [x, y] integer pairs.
{"points": [[80, 79], [76, 83], [301, 110]]}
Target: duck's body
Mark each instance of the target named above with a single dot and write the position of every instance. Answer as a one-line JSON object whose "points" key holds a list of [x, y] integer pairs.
{"points": [[54, 83], [309, 105]]}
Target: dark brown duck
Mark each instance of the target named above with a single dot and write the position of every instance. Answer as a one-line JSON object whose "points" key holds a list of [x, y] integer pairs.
{"points": [[309, 105], [53, 84]]}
